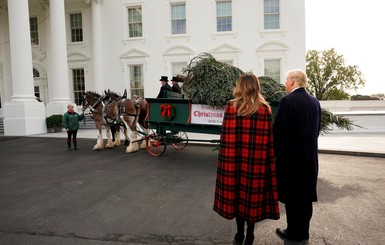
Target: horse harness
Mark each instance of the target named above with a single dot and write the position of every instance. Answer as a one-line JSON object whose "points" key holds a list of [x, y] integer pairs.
{"points": [[106, 100]]}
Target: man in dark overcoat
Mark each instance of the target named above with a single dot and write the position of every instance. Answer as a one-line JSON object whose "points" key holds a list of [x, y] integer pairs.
{"points": [[296, 131], [165, 86], [175, 86]]}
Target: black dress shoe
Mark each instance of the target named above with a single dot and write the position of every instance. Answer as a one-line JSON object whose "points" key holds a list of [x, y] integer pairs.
{"points": [[283, 234]]}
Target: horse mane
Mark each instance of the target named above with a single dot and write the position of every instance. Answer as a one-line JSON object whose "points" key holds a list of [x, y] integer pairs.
{"points": [[93, 93], [114, 94]]}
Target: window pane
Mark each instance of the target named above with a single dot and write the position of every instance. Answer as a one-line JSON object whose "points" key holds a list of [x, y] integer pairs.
{"points": [[271, 14], [76, 27], [178, 18], [224, 24], [135, 22], [273, 69], [177, 68], [35, 73], [224, 16], [33, 25], [37, 92], [136, 81], [78, 85]]}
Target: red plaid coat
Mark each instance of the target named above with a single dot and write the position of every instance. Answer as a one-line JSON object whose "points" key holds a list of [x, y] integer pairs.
{"points": [[246, 185]]}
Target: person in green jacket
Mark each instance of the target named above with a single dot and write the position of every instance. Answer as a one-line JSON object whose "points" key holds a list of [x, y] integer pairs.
{"points": [[71, 124]]}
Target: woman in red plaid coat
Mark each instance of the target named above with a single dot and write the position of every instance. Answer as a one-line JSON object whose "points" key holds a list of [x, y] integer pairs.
{"points": [[246, 182]]}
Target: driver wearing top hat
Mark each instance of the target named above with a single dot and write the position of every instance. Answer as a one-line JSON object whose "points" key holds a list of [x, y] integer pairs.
{"points": [[165, 86]]}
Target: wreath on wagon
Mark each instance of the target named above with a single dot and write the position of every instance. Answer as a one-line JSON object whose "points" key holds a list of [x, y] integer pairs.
{"points": [[167, 112]]}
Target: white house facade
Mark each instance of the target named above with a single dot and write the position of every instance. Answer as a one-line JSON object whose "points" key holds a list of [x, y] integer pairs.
{"points": [[56, 50]]}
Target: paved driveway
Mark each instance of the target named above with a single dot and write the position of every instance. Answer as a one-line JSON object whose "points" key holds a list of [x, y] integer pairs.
{"points": [[51, 196]]}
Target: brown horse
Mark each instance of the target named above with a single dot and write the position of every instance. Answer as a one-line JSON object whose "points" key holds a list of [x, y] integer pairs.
{"points": [[141, 107], [106, 112]]}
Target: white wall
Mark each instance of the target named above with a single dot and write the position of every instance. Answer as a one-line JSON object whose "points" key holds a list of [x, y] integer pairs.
{"points": [[369, 114], [247, 45]]}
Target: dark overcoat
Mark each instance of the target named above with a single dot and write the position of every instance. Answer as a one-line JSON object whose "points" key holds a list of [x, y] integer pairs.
{"points": [[296, 130], [246, 180], [176, 88], [164, 87]]}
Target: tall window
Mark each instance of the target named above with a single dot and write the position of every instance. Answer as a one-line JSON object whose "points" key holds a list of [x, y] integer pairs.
{"points": [[135, 22], [177, 68], [33, 27], [178, 18], [273, 69], [36, 74], [271, 14], [224, 16], [136, 81], [76, 27], [37, 92], [79, 85]]}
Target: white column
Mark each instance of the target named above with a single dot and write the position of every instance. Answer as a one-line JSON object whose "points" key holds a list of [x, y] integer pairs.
{"points": [[58, 82], [97, 46], [23, 115]]}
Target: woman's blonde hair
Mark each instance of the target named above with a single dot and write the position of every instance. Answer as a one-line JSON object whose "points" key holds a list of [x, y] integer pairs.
{"points": [[248, 95]]}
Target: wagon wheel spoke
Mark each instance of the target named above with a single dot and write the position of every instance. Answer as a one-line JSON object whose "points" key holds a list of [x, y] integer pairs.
{"points": [[156, 144], [180, 140]]}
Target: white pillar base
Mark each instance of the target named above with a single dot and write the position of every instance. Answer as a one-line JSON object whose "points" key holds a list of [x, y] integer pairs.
{"points": [[24, 118]]}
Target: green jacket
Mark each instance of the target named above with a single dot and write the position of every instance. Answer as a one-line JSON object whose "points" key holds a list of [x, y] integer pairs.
{"points": [[71, 120]]}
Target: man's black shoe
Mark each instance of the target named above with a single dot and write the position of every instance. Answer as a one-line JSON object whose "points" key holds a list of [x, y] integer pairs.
{"points": [[282, 233]]}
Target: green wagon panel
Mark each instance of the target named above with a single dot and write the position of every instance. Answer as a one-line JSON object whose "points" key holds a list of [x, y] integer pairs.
{"points": [[181, 121], [181, 109]]}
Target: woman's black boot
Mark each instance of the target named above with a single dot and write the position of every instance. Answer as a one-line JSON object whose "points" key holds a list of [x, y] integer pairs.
{"points": [[75, 144], [249, 234], [238, 239], [69, 144]]}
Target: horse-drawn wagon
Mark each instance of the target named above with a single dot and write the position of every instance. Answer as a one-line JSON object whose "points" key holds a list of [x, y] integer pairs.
{"points": [[172, 117]]}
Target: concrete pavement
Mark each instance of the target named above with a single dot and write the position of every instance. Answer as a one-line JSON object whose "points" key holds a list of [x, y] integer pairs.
{"points": [[350, 143], [53, 196]]}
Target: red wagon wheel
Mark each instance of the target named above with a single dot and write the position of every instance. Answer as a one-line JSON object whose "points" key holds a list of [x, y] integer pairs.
{"points": [[180, 140], [156, 144]]}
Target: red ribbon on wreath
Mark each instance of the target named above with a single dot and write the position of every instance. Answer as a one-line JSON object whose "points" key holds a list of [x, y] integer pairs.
{"points": [[166, 110]]}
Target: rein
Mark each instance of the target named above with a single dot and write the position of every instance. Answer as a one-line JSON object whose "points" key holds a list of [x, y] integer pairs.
{"points": [[97, 102]]}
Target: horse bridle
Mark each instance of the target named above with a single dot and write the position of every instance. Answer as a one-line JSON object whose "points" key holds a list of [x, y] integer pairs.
{"points": [[97, 102]]}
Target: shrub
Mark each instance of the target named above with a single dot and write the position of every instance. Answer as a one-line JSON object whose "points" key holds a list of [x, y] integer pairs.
{"points": [[54, 121]]}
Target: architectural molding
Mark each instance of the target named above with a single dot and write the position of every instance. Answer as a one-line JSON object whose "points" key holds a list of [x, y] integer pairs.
{"points": [[40, 68], [273, 45], [133, 53], [76, 59], [225, 48], [77, 56], [96, 1], [178, 50], [38, 54]]}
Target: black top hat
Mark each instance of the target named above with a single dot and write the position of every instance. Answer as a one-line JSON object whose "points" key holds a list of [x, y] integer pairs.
{"points": [[163, 78], [174, 79]]}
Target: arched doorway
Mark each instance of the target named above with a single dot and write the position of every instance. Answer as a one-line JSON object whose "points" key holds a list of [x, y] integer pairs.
{"points": [[40, 84]]}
